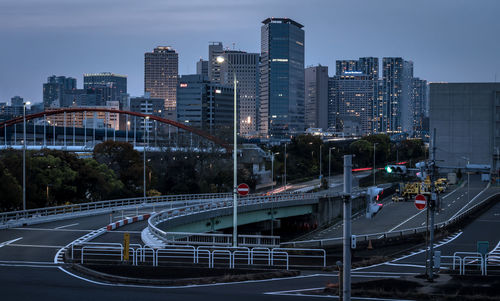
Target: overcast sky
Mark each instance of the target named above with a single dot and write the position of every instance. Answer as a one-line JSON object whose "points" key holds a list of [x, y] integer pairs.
{"points": [[448, 40]]}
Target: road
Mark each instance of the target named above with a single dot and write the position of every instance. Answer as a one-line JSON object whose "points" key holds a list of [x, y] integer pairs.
{"points": [[403, 215], [28, 269]]}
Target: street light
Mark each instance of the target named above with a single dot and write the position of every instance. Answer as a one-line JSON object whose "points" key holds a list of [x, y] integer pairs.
{"points": [[320, 164], [144, 156], [24, 154], [329, 164], [374, 165], [468, 178], [220, 60]]}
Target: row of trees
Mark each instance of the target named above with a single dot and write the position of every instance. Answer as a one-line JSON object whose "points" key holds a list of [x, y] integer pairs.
{"points": [[303, 155], [115, 170]]}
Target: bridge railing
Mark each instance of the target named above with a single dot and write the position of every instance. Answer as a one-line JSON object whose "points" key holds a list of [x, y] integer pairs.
{"points": [[13, 217], [389, 234]]}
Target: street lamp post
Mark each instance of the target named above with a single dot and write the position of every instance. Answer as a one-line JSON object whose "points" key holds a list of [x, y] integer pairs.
{"points": [[329, 164], [144, 156], [320, 164], [374, 165], [468, 178], [285, 166], [220, 60], [24, 154]]}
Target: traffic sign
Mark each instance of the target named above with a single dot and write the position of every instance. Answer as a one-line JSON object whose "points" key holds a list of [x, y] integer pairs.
{"points": [[243, 189], [420, 201]]}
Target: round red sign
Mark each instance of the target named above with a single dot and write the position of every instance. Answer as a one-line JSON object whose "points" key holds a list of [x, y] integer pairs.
{"points": [[243, 189], [420, 202]]}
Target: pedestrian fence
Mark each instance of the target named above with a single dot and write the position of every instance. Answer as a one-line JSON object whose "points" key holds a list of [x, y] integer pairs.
{"points": [[462, 260], [211, 256]]}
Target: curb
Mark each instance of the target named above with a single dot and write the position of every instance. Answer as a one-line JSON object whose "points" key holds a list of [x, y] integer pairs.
{"points": [[184, 281], [127, 221]]}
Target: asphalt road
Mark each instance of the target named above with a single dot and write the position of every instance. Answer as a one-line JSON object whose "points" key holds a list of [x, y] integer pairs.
{"points": [[404, 215], [27, 271]]}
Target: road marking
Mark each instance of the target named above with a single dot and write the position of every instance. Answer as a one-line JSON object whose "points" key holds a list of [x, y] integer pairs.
{"points": [[60, 227], [9, 242], [458, 212], [50, 229], [405, 265], [34, 246], [404, 222], [296, 293], [27, 265]]}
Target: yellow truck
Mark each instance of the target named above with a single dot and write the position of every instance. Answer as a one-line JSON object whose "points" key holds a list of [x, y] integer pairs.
{"points": [[408, 191]]}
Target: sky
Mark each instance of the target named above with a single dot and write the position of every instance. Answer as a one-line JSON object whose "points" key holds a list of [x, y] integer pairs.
{"points": [[448, 40]]}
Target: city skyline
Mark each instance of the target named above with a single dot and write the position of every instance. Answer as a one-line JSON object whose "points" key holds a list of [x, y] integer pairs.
{"points": [[67, 44]]}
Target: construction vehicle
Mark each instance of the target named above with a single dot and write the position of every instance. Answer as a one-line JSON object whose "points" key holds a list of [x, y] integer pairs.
{"points": [[408, 191]]}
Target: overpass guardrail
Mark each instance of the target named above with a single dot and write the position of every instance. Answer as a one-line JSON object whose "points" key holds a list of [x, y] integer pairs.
{"points": [[389, 234]]}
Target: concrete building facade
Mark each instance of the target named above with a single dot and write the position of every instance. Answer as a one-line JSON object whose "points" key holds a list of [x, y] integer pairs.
{"points": [[466, 117], [316, 97], [161, 69]]}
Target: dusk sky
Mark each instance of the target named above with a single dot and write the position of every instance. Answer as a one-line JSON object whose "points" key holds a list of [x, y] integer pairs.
{"points": [[448, 40]]}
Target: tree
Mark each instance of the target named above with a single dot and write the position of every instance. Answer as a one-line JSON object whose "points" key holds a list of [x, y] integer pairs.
{"points": [[10, 191], [362, 150]]}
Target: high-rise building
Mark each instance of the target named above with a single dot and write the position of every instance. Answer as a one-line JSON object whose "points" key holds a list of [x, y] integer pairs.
{"points": [[369, 66], [342, 66], [246, 67], [419, 104], [145, 105], [113, 86], [316, 97], [161, 69], [214, 50], [398, 112], [351, 102], [202, 67], [205, 105], [281, 78], [54, 88]]}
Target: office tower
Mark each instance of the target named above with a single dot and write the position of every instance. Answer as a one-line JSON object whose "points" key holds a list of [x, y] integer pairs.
{"points": [[333, 108], [366, 65], [369, 66], [214, 50], [107, 86], [145, 105], [351, 102], [398, 112], [316, 97], [342, 66], [419, 103], [379, 105], [202, 67], [161, 69], [246, 67], [281, 78], [205, 105], [119, 82], [54, 88]]}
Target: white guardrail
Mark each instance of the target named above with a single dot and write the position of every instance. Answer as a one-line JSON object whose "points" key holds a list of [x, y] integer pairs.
{"points": [[206, 255], [16, 218], [13, 217], [220, 239], [385, 235]]}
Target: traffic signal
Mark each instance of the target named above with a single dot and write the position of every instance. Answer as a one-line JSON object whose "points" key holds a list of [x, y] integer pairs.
{"points": [[401, 169]]}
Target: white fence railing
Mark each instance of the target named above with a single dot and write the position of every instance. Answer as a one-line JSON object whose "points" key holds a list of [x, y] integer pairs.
{"points": [[206, 255], [388, 234]]}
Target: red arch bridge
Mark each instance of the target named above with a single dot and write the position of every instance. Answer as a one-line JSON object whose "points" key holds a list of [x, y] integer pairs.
{"points": [[71, 131]]}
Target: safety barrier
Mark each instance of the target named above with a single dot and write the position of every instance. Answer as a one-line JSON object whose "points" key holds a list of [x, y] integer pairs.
{"points": [[210, 255], [388, 234]]}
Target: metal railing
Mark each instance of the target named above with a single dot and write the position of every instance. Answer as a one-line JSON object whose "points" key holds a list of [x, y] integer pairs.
{"points": [[221, 239], [7, 218], [388, 234], [210, 255]]}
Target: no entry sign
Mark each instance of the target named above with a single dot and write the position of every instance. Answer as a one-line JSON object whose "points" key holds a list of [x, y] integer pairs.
{"points": [[420, 202], [243, 189]]}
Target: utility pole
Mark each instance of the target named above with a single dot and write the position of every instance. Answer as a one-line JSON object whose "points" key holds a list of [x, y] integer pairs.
{"points": [[285, 166], [432, 207], [374, 168], [346, 287]]}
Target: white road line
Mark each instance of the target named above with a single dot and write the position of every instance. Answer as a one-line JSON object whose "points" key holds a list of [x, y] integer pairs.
{"points": [[284, 293], [9, 242], [49, 229], [458, 212], [405, 265], [27, 265], [423, 250], [60, 227], [27, 262], [34, 246]]}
